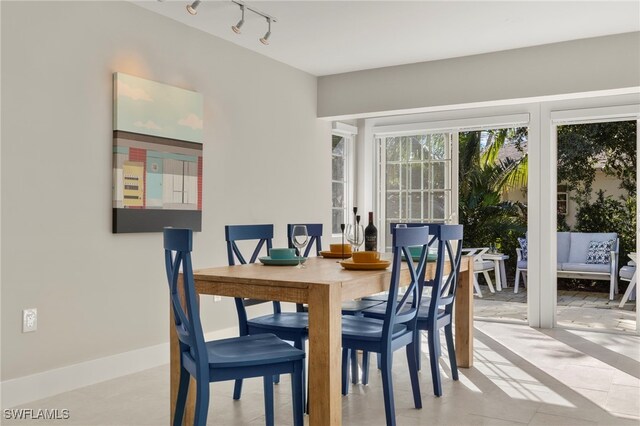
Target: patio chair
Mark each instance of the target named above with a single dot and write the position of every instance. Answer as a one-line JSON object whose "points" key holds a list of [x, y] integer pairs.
{"points": [[262, 355], [480, 266], [628, 273]]}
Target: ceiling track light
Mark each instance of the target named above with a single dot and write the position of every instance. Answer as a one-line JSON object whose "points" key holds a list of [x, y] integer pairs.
{"points": [[192, 8], [265, 39], [236, 27]]}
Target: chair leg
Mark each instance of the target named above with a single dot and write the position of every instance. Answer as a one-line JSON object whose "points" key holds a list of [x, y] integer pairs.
{"points": [[489, 283], [268, 399], [387, 388], [202, 403], [365, 367], [237, 389], [515, 287], [524, 277], [476, 285], [433, 359], [413, 374], [628, 292], [300, 344], [354, 366], [297, 393], [181, 400], [613, 287], [345, 370], [448, 334], [418, 348]]}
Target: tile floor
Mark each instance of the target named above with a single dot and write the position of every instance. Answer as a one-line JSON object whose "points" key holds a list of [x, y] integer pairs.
{"points": [[521, 376], [576, 309]]}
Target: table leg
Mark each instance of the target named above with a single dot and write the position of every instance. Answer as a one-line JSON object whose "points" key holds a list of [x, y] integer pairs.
{"points": [[503, 274], [464, 316], [325, 325], [496, 271]]}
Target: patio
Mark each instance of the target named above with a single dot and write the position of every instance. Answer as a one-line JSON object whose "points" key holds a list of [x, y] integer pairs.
{"points": [[576, 309]]}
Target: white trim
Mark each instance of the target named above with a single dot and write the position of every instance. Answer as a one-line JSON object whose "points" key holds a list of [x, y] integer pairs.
{"points": [[591, 115], [26, 389], [343, 129], [477, 123]]}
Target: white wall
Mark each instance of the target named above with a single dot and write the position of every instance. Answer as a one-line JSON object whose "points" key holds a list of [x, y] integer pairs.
{"points": [[98, 293], [602, 63]]}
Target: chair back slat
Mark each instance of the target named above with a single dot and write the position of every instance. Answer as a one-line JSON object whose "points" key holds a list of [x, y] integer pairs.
{"points": [[263, 236], [314, 230], [444, 286], [178, 245], [405, 310]]}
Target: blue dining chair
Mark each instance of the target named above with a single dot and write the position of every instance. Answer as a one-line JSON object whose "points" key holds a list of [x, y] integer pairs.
{"points": [[398, 327], [436, 310], [291, 326], [349, 307], [263, 355]]}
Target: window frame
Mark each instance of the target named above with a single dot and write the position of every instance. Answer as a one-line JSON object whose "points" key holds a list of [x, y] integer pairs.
{"points": [[347, 133]]}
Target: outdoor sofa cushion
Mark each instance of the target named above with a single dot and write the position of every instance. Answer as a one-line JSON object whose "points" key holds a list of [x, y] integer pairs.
{"points": [[564, 244], [586, 267], [522, 264], [580, 244]]}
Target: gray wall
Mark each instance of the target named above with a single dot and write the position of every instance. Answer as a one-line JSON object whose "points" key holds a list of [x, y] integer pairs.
{"points": [[601, 63], [97, 293]]}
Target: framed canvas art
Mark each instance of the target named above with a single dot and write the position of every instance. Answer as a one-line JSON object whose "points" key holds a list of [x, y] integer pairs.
{"points": [[157, 156]]}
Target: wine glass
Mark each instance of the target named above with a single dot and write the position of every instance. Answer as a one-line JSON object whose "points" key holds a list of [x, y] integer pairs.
{"points": [[355, 235], [299, 238]]}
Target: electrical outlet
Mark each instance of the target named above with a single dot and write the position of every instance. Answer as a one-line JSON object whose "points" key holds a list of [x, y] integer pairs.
{"points": [[29, 320], [217, 298]]}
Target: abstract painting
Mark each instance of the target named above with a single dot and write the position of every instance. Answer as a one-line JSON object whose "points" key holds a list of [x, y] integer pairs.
{"points": [[157, 156]]}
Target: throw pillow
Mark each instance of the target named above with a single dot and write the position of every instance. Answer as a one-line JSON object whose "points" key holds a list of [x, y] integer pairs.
{"points": [[523, 246], [599, 252]]}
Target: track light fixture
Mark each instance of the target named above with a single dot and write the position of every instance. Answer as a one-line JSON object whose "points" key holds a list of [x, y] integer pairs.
{"points": [[192, 7], [265, 39], [236, 27]]}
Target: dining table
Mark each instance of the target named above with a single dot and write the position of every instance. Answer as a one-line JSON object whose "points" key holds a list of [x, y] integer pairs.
{"points": [[322, 285]]}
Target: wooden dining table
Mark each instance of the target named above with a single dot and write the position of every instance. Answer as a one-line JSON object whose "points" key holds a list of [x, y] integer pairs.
{"points": [[323, 285]]}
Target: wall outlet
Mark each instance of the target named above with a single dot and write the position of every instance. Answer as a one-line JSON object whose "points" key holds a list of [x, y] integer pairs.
{"points": [[217, 298], [29, 320]]}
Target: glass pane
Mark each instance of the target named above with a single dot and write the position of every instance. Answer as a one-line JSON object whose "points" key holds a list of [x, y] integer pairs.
{"points": [[415, 148], [439, 206], [393, 176], [337, 195], [438, 145], [393, 149], [426, 204], [337, 145], [439, 170], [336, 219], [404, 206], [404, 148], [415, 174], [393, 205], [337, 165], [415, 205]]}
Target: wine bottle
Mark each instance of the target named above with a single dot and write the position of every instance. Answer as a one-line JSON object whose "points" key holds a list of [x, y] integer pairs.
{"points": [[371, 235]]}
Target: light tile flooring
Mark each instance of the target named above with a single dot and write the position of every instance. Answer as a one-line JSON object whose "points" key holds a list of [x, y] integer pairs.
{"points": [[576, 309], [521, 376]]}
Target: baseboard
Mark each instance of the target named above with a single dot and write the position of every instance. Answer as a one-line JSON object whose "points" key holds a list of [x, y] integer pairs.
{"points": [[26, 389]]}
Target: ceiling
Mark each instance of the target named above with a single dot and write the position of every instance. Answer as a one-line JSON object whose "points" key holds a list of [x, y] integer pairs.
{"points": [[331, 37]]}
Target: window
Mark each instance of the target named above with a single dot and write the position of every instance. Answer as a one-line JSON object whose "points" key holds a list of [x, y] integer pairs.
{"points": [[415, 179], [340, 180], [563, 200]]}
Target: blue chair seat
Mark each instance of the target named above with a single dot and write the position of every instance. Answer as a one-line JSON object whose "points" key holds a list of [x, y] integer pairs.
{"points": [[257, 349], [367, 328], [285, 321], [351, 307]]}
